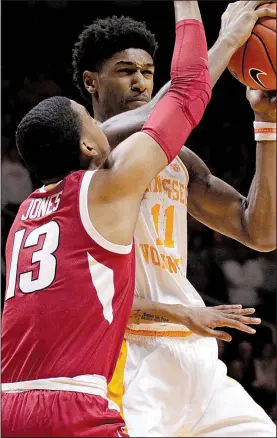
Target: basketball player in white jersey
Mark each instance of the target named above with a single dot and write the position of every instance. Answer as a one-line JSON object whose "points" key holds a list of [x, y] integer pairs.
{"points": [[174, 384]]}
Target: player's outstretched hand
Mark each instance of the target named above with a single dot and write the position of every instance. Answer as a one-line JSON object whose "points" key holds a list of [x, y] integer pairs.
{"points": [[240, 17], [263, 104], [204, 320]]}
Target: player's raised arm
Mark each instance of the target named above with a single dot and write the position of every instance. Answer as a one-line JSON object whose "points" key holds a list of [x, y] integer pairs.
{"points": [[138, 159], [251, 220]]}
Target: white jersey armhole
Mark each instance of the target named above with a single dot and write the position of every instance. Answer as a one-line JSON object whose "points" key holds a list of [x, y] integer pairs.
{"points": [[184, 169], [85, 219]]}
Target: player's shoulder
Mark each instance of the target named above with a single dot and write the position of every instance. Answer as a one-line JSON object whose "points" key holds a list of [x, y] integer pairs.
{"points": [[76, 176], [189, 158], [74, 181], [195, 165]]}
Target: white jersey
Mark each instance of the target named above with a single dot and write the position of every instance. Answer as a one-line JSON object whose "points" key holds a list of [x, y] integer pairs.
{"points": [[161, 242]]}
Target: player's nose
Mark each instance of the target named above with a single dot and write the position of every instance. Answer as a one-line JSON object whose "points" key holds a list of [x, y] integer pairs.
{"points": [[138, 83]]}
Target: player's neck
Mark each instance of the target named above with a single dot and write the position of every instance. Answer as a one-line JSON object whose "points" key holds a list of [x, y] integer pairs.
{"points": [[100, 114], [50, 187], [51, 184]]}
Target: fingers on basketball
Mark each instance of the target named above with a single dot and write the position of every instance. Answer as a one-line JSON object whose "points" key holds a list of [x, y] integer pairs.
{"points": [[254, 64], [266, 12]]}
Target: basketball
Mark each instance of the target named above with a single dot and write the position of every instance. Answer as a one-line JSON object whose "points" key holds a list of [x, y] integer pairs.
{"points": [[254, 64]]}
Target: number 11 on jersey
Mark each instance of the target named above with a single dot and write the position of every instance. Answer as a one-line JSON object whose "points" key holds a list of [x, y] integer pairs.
{"points": [[169, 214]]}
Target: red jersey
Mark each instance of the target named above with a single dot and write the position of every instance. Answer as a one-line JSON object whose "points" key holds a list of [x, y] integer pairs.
{"points": [[69, 291]]}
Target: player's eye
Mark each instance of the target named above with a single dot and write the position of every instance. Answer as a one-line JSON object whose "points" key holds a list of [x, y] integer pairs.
{"points": [[147, 73], [126, 70]]}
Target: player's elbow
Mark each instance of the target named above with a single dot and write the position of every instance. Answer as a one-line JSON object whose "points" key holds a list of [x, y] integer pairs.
{"points": [[196, 91], [262, 242], [197, 108], [259, 231], [264, 245]]}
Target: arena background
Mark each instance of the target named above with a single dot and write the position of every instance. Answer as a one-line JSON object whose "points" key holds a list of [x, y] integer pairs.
{"points": [[37, 39]]}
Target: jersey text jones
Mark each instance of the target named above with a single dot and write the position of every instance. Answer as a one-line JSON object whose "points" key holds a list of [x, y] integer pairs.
{"points": [[40, 207]]}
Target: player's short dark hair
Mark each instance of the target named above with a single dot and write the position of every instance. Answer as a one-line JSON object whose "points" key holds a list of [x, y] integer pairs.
{"points": [[48, 138], [105, 37]]}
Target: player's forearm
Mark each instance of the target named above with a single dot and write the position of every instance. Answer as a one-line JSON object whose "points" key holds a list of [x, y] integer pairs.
{"points": [[145, 311], [182, 108], [260, 211], [186, 10], [219, 57]]}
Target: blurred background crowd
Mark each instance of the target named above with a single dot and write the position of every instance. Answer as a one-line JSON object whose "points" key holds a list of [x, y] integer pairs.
{"points": [[36, 63]]}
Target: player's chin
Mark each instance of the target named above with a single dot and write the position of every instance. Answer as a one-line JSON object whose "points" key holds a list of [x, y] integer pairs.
{"points": [[133, 104]]}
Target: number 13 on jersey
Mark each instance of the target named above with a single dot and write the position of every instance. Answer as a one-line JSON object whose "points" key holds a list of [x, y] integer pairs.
{"points": [[44, 257]]}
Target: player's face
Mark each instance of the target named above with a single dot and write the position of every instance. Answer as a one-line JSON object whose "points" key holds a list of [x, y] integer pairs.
{"points": [[124, 82], [94, 143]]}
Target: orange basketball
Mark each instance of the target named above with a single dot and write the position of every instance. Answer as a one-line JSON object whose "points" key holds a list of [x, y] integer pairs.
{"points": [[254, 64]]}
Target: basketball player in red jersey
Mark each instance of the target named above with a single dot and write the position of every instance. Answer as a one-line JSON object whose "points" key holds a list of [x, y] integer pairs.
{"points": [[70, 257], [126, 73]]}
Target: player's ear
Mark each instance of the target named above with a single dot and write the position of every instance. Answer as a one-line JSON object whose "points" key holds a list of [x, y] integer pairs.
{"points": [[88, 149], [90, 81]]}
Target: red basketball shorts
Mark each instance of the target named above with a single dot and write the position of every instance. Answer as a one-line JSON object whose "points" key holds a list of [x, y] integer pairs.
{"points": [[44, 413]]}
